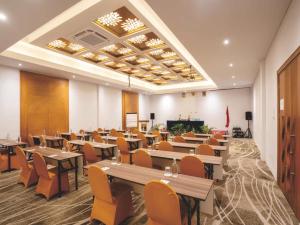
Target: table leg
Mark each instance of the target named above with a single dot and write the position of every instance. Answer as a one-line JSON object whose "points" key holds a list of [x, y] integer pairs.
{"points": [[197, 201], [76, 173], [189, 212], [59, 178], [9, 151], [130, 158]]}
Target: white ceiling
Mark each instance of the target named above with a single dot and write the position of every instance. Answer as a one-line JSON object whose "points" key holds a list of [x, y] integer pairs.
{"points": [[202, 25], [24, 16]]}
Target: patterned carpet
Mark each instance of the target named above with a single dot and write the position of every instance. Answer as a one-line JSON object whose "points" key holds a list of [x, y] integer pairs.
{"points": [[248, 195]]}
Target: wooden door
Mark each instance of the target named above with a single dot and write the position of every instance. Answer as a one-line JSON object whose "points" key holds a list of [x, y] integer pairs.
{"points": [[130, 104], [44, 104], [288, 162]]}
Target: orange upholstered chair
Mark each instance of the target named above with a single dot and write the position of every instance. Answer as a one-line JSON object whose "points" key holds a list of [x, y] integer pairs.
{"points": [[30, 141], [179, 139], [99, 129], [123, 146], [205, 149], [142, 158], [4, 162], [165, 146], [73, 137], [90, 155], [218, 136], [119, 134], [98, 138], [112, 201], [135, 130], [143, 138], [94, 133], [81, 131], [66, 145], [162, 204], [48, 180], [192, 166], [189, 134], [157, 133], [28, 175], [43, 141], [213, 141]]}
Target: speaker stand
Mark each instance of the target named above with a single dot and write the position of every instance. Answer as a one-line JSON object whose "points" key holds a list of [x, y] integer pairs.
{"points": [[248, 133], [152, 124]]}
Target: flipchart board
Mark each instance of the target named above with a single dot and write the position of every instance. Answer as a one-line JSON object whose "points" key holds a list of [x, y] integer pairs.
{"points": [[131, 120]]}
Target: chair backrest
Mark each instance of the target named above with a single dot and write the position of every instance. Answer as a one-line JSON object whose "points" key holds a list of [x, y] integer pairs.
{"points": [[81, 131], [192, 166], [122, 145], [98, 138], [189, 134], [89, 153], [179, 139], [113, 130], [30, 141], [165, 146], [213, 141], [94, 133], [119, 134], [73, 137], [205, 149], [99, 184], [21, 158], [218, 136], [134, 130], [162, 203], [143, 138], [67, 145], [142, 158], [99, 129], [40, 165]]}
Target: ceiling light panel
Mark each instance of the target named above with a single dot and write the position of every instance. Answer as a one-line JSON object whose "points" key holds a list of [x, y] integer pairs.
{"points": [[146, 41], [120, 22], [117, 50], [62, 44]]}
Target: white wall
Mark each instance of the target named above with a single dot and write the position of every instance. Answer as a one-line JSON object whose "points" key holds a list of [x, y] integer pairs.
{"points": [[144, 104], [9, 102], [285, 43], [83, 105], [110, 107], [211, 108]]}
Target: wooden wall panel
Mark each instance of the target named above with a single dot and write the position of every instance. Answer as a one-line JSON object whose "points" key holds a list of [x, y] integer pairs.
{"points": [[130, 104], [44, 104]]}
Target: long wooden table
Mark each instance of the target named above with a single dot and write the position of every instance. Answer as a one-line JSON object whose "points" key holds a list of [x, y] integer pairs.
{"points": [[58, 156], [103, 147], [52, 141], [225, 136], [67, 135], [9, 146], [134, 143], [196, 188], [186, 147], [151, 138], [213, 163]]}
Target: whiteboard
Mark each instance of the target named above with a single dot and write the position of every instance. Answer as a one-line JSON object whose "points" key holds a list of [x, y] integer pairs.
{"points": [[131, 119]]}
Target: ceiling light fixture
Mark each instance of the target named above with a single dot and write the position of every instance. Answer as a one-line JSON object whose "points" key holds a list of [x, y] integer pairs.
{"points": [[57, 44], [132, 24], [124, 51], [154, 42], [74, 76], [232, 77], [110, 48], [20, 64], [111, 19], [179, 63], [3, 17], [138, 39], [168, 54], [102, 57], [234, 84], [75, 47], [230, 65], [142, 60], [226, 42], [157, 52], [88, 55], [131, 58]]}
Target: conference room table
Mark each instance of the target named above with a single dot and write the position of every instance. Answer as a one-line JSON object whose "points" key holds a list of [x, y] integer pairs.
{"points": [[52, 141], [67, 135], [8, 146], [189, 187], [225, 136], [103, 133], [223, 151], [134, 143], [164, 134], [214, 164], [58, 156], [103, 147], [222, 142], [151, 138]]}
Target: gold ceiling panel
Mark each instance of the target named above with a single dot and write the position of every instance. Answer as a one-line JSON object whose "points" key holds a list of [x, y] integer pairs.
{"points": [[136, 60], [161, 54], [95, 57], [120, 22], [117, 50], [146, 41], [62, 44]]}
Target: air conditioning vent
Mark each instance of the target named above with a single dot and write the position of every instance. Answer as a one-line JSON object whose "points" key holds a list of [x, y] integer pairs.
{"points": [[90, 37]]}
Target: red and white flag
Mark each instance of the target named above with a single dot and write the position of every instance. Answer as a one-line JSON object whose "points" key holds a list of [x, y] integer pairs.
{"points": [[227, 118]]}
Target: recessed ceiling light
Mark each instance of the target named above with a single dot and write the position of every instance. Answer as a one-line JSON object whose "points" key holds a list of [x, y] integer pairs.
{"points": [[230, 65], [74, 76], [3, 17], [107, 84], [226, 42], [20, 64], [234, 84], [232, 77]]}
